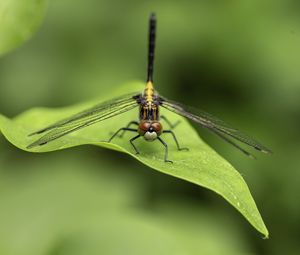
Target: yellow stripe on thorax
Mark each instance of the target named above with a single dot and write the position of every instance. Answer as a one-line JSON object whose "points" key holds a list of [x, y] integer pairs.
{"points": [[149, 91]]}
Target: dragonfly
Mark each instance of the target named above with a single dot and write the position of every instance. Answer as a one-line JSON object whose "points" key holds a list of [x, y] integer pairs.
{"points": [[149, 125]]}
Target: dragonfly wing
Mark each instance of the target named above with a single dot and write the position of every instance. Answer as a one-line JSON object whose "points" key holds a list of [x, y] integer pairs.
{"points": [[86, 118], [99, 109], [212, 123], [225, 138]]}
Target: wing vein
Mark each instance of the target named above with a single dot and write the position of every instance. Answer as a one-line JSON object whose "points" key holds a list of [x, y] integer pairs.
{"points": [[85, 118], [216, 125]]}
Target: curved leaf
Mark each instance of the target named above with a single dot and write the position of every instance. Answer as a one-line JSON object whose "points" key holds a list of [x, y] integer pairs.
{"points": [[19, 20], [200, 165]]}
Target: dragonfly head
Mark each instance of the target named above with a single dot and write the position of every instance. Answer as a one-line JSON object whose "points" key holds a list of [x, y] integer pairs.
{"points": [[150, 136], [150, 130]]}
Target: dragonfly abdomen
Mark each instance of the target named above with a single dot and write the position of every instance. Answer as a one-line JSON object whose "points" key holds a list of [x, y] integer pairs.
{"points": [[149, 92]]}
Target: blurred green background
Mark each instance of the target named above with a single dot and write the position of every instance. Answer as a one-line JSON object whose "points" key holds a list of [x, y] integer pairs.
{"points": [[236, 59]]}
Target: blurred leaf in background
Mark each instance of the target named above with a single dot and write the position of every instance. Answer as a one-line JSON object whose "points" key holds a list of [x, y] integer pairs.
{"points": [[237, 60], [19, 20]]}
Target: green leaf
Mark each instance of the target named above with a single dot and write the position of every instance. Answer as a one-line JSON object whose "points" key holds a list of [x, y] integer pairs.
{"points": [[19, 20], [200, 165]]}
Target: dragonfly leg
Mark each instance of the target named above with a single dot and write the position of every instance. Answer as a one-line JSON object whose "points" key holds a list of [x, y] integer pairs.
{"points": [[175, 139], [171, 125], [121, 129], [128, 125], [166, 150], [131, 141]]}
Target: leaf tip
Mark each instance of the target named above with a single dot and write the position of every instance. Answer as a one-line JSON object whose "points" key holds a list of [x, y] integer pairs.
{"points": [[266, 236]]}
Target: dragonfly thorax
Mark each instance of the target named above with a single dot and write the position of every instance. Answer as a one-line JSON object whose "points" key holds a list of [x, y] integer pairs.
{"points": [[149, 111], [150, 130]]}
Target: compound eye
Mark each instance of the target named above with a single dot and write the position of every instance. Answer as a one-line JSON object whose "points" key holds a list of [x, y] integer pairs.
{"points": [[144, 125], [157, 127]]}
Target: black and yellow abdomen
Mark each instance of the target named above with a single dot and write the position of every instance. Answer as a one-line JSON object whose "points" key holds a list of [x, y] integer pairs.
{"points": [[149, 92], [149, 109]]}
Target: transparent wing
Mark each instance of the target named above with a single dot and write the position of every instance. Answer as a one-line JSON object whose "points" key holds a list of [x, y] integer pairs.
{"points": [[214, 124], [86, 118]]}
